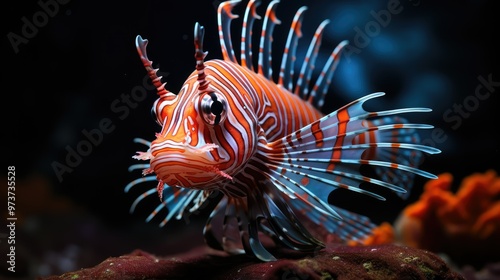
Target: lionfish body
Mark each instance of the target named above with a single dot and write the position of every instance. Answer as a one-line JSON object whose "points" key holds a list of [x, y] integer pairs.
{"points": [[267, 146]]}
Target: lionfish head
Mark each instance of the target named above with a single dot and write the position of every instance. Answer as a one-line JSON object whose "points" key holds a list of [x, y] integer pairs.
{"points": [[196, 145]]}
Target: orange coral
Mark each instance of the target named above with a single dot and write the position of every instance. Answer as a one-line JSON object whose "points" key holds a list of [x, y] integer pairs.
{"points": [[463, 225], [383, 234]]}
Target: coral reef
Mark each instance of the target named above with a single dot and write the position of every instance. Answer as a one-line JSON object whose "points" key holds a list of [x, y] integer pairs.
{"points": [[334, 262], [464, 225]]}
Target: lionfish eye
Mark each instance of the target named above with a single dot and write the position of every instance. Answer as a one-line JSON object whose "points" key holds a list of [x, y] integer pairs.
{"points": [[213, 108]]}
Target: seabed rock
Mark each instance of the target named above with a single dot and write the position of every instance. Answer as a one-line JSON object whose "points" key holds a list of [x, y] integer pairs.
{"points": [[336, 261]]}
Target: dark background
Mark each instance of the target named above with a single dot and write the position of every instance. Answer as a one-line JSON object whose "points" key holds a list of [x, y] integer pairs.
{"points": [[82, 59]]}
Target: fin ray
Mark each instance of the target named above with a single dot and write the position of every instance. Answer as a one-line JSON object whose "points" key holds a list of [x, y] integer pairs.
{"points": [[266, 38], [322, 84], [246, 34], [304, 78], [224, 18], [352, 226], [286, 70]]}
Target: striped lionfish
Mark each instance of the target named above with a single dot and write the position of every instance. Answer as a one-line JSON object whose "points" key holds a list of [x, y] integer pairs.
{"points": [[265, 144]]}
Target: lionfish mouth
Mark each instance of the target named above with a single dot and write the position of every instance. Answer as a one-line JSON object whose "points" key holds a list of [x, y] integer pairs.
{"points": [[182, 165]]}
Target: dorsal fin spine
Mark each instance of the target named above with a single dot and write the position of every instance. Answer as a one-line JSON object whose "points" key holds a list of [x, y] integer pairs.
{"points": [[224, 17], [246, 34], [266, 38], [325, 77], [286, 71], [304, 78]]}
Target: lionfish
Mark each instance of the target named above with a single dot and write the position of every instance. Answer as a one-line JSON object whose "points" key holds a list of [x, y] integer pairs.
{"points": [[265, 144]]}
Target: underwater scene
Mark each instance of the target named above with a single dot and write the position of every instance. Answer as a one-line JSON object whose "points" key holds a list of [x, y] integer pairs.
{"points": [[252, 139]]}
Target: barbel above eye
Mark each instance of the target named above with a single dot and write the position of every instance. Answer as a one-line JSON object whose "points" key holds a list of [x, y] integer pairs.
{"points": [[213, 108]]}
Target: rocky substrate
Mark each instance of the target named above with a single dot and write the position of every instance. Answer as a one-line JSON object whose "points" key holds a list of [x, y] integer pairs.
{"points": [[333, 262]]}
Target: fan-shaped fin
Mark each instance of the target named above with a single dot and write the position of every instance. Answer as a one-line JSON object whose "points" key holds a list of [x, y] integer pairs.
{"points": [[327, 154]]}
